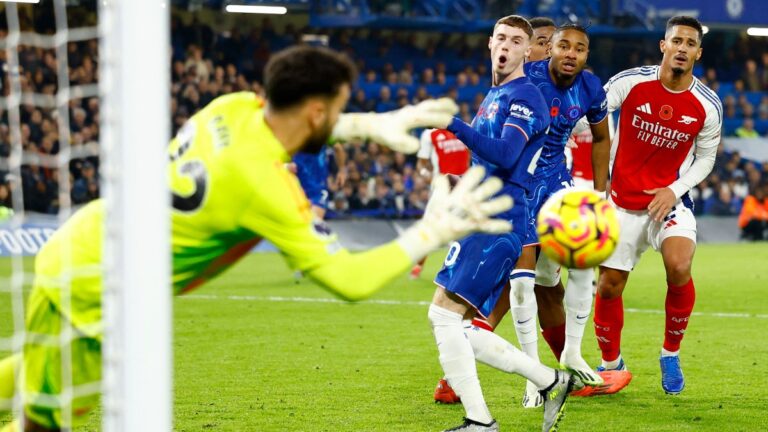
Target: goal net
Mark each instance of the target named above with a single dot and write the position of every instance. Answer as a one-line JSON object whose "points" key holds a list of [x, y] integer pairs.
{"points": [[84, 115]]}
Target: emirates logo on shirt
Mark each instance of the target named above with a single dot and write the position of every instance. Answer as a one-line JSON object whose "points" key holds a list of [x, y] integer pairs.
{"points": [[449, 145], [660, 136]]}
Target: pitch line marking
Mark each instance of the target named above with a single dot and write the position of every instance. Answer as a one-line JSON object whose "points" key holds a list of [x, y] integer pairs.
{"points": [[426, 303]]}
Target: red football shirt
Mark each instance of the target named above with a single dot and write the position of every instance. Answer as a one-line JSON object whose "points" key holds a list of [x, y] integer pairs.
{"points": [[448, 154], [582, 155], [658, 132]]}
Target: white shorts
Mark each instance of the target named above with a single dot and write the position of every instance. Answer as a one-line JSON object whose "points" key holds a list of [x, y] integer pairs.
{"points": [[638, 231]]}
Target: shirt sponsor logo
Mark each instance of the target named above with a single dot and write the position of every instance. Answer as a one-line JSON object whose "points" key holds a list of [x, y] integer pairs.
{"points": [[449, 145], [660, 136], [520, 111]]}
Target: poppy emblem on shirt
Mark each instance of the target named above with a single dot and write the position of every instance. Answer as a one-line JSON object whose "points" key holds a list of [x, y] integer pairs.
{"points": [[666, 112]]}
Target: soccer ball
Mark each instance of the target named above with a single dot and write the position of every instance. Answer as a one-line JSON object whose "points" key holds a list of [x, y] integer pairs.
{"points": [[577, 228]]}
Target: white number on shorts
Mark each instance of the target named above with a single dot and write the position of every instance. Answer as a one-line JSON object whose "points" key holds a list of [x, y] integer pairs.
{"points": [[453, 254]]}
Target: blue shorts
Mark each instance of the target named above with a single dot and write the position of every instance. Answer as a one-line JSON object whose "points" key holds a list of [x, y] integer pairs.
{"points": [[312, 171], [477, 267], [317, 194], [541, 187]]}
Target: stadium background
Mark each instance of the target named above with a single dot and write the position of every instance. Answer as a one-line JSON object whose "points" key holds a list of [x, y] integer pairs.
{"points": [[406, 52], [294, 370]]}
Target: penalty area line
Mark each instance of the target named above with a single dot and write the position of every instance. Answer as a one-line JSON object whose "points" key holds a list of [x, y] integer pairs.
{"points": [[282, 299]]}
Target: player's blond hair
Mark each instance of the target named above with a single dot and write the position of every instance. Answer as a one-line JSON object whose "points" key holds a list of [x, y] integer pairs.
{"points": [[516, 21]]}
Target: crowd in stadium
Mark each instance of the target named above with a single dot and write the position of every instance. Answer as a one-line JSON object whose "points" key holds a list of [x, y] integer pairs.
{"points": [[207, 63]]}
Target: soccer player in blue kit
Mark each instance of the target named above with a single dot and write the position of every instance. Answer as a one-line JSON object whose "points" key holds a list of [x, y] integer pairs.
{"points": [[505, 137], [571, 94], [312, 171]]}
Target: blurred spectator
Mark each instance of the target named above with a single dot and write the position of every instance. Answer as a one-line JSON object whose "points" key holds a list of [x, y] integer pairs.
{"points": [[710, 79], [764, 70], [729, 106], [385, 102], [360, 103], [361, 199], [753, 218], [751, 78], [762, 109], [82, 189], [722, 203], [428, 76], [207, 63], [747, 129], [746, 107]]}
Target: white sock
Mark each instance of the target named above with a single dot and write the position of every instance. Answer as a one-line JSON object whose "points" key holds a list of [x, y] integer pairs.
{"points": [[613, 364], [458, 362], [496, 352], [665, 353], [522, 302], [578, 301]]}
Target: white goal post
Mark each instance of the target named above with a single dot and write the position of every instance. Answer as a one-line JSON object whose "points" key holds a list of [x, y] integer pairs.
{"points": [[135, 121]]}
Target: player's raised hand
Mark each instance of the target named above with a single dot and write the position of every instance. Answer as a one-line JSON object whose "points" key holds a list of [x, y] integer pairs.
{"points": [[453, 214], [392, 129], [662, 203]]}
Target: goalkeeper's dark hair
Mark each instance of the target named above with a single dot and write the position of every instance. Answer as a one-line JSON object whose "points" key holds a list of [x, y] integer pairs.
{"points": [[303, 71], [516, 21], [688, 21], [539, 22], [571, 26]]}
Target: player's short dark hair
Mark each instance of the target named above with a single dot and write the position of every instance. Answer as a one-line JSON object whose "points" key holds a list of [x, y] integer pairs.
{"points": [[539, 22], [303, 71], [688, 21], [571, 26], [516, 21]]}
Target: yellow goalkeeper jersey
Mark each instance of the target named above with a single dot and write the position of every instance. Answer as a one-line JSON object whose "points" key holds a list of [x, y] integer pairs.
{"points": [[231, 190]]}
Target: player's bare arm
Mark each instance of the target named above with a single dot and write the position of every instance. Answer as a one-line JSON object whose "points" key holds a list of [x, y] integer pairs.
{"points": [[341, 164], [601, 153]]}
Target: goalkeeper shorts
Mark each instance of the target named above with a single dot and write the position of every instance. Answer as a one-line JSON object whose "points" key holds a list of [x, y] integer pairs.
{"points": [[51, 364]]}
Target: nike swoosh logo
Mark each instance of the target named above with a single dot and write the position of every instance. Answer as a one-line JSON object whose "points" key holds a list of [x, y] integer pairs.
{"points": [[523, 322], [582, 317]]}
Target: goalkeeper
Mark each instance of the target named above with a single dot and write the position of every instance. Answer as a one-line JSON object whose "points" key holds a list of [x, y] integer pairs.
{"points": [[231, 190]]}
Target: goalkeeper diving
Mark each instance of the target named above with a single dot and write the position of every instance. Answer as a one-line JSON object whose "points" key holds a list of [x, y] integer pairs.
{"points": [[231, 190]]}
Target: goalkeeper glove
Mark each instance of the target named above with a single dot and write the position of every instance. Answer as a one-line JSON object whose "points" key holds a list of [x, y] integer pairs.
{"points": [[392, 128], [453, 214]]}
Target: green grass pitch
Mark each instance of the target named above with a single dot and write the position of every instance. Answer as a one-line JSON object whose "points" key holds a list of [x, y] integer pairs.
{"points": [[255, 351]]}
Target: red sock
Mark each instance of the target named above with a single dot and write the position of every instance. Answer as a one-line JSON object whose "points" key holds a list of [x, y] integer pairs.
{"points": [[555, 337], [679, 305], [483, 324], [609, 320]]}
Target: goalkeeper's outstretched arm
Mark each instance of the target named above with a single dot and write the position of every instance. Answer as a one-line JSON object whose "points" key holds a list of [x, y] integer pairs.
{"points": [[451, 215], [392, 128]]}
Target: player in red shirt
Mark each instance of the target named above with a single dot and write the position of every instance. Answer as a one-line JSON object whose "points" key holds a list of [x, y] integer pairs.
{"points": [[668, 133], [446, 155], [581, 156]]}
